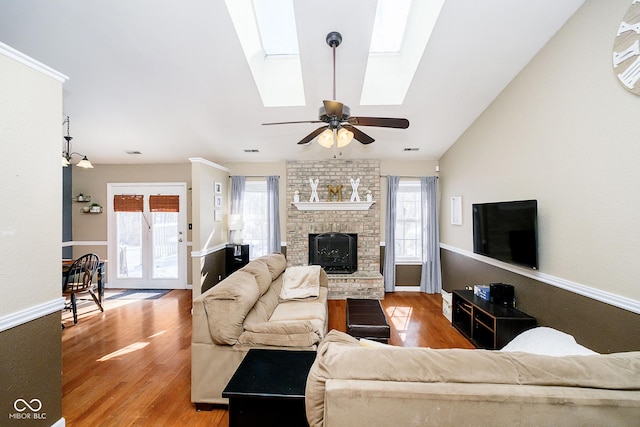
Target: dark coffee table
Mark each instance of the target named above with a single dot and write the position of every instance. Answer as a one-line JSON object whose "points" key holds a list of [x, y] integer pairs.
{"points": [[267, 389], [366, 319]]}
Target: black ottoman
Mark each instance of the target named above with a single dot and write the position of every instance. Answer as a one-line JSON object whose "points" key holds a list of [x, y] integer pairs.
{"points": [[365, 319]]}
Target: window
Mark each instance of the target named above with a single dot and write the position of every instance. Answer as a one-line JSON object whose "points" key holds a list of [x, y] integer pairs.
{"points": [[254, 214], [408, 244]]}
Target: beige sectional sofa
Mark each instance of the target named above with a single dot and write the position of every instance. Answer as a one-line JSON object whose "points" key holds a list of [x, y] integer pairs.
{"points": [[351, 384], [246, 311]]}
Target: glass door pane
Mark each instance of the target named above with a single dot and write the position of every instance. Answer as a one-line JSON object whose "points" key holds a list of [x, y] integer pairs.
{"points": [[129, 238], [165, 245]]}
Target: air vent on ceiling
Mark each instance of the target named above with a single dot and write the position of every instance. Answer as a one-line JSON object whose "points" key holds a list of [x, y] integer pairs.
{"points": [[134, 152], [410, 149], [251, 150]]}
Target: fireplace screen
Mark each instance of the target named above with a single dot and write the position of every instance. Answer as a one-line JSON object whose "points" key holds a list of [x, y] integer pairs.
{"points": [[335, 252]]}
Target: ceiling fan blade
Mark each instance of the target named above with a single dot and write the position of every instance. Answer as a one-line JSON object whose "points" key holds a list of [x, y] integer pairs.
{"points": [[288, 123], [359, 135], [312, 135], [385, 122], [333, 108]]}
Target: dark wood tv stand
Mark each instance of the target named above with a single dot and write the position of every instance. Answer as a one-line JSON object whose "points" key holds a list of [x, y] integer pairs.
{"points": [[487, 325]]}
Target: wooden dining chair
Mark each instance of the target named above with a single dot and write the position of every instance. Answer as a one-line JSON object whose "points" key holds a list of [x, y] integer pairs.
{"points": [[80, 280]]}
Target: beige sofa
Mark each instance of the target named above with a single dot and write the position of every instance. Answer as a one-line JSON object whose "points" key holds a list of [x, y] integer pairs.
{"points": [[245, 311], [350, 384]]}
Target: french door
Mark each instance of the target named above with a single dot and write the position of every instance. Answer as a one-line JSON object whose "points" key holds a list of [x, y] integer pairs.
{"points": [[147, 237]]}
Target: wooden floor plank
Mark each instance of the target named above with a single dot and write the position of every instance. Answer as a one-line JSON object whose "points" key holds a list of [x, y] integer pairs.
{"points": [[131, 365]]}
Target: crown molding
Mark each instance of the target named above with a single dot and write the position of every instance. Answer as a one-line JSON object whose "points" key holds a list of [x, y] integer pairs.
{"points": [[31, 63], [209, 163]]}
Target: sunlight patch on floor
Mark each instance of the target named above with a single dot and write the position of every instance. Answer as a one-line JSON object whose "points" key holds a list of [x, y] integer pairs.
{"points": [[126, 350], [400, 318]]}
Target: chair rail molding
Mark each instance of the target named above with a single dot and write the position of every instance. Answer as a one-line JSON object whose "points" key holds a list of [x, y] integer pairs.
{"points": [[32, 313], [578, 288]]}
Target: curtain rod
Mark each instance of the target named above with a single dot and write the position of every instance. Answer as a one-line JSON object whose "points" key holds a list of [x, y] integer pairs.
{"points": [[407, 176], [255, 176]]}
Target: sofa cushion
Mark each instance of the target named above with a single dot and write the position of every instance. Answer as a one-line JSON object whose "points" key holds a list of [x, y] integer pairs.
{"points": [[264, 308], [261, 272], [276, 263], [227, 305], [300, 310], [301, 333]]}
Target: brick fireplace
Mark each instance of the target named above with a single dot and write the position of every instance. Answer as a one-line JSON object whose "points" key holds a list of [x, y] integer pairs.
{"points": [[366, 282]]}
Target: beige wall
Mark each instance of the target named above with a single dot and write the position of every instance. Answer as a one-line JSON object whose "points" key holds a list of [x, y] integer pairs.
{"points": [[30, 234], [31, 212], [90, 230], [563, 132], [209, 235]]}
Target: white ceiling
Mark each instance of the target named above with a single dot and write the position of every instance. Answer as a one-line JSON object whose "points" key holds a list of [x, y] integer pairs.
{"points": [[169, 79]]}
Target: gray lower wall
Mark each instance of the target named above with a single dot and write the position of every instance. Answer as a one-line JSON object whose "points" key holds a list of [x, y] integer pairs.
{"points": [[599, 326], [213, 269], [30, 361]]}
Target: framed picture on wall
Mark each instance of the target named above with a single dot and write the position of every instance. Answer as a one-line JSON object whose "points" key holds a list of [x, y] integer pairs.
{"points": [[217, 202], [217, 215], [217, 187]]}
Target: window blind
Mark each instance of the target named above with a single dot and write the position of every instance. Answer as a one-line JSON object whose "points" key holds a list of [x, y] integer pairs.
{"points": [[128, 203], [164, 203]]}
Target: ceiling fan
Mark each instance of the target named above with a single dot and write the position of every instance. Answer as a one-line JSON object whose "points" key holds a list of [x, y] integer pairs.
{"points": [[337, 116]]}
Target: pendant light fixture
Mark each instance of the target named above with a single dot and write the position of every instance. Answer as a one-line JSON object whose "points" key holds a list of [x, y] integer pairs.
{"points": [[67, 154]]}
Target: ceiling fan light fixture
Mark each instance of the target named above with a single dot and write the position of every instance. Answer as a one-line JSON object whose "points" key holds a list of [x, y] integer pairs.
{"points": [[345, 137], [326, 138]]}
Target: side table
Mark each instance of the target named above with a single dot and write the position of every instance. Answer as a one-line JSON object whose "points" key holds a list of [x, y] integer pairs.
{"points": [[268, 387]]}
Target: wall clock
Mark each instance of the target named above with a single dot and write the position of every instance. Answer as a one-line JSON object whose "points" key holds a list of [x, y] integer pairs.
{"points": [[626, 50]]}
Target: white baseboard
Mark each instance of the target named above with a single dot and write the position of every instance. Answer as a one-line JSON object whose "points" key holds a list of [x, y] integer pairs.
{"points": [[580, 289]]}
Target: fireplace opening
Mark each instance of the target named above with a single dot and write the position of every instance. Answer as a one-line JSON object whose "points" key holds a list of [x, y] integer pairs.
{"points": [[334, 252]]}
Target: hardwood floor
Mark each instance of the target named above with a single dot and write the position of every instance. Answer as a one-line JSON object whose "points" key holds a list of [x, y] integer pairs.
{"points": [[131, 365]]}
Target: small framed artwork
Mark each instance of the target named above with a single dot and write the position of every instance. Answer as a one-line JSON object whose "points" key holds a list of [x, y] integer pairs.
{"points": [[217, 215], [456, 210], [217, 187], [217, 202]]}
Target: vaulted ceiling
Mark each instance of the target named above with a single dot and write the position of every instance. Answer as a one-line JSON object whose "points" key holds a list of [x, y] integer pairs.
{"points": [[169, 78]]}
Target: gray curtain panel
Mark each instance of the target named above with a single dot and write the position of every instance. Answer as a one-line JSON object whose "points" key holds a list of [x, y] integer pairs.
{"points": [[273, 214], [431, 278], [237, 197], [389, 271]]}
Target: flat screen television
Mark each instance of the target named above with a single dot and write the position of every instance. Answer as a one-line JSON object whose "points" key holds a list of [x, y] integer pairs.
{"points": [[507, 231]]}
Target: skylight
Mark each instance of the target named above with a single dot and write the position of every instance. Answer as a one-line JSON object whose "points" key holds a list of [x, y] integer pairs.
{"points": [[390, 69], [389, 25], [277, 26], [267, 42]]}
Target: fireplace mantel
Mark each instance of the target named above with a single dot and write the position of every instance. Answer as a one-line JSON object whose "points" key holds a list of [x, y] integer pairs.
{"points": [[332, 206]]}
